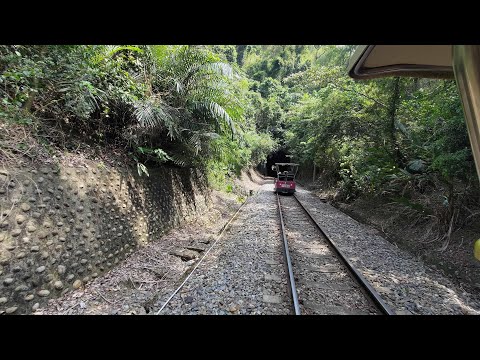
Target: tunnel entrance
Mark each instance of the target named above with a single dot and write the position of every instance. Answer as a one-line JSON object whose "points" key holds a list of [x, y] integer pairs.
{"points": [[276, 157]]}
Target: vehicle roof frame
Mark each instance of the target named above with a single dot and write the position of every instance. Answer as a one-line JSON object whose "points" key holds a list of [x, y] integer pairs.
{"points": [[358, 70]]}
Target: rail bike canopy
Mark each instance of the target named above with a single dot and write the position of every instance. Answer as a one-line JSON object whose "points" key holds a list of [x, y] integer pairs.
{"points": [[289, 168], [374, 61]]}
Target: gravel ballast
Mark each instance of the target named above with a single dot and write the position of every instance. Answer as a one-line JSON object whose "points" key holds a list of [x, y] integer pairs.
{"points": [[244, 273], [405, 283]]}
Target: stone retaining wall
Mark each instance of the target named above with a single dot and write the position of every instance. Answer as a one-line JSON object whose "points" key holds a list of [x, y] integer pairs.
{"points": [[62, 226]]}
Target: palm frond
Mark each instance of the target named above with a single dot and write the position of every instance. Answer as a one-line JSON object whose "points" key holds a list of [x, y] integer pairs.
{"points": [[199, 141], [220, 68], [156, 115], [212, 110], [181, 160], [142, 169]]}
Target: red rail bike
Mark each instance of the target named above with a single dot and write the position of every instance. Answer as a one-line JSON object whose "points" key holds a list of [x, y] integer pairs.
{"points": [[285, 180]]}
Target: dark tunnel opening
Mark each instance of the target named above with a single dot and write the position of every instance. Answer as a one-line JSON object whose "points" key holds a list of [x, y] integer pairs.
{"points": [[276, 157]]}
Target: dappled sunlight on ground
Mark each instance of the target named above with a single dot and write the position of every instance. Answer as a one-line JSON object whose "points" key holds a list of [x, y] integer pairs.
{"points": [[405, 282]]}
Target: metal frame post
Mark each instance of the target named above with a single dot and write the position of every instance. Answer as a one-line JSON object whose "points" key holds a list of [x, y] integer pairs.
{"points": [[466, 67]]}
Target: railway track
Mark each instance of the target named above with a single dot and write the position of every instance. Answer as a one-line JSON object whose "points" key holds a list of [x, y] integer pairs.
{"points": [[321, 279]]}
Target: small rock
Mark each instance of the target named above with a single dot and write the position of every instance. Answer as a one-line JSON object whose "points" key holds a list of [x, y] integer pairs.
{"points": [[31, 228], [77, 284], [16, 232], [11, 310], [40, 269], [20, 219], [61, 269], [25, 207], [35, 307], [3, 300], [4, 236], [234, 308], [8, 281], [274, 299], [21, 288], [5, 257], [29, 297], [58, 285], [43, 293], [35, 248]]}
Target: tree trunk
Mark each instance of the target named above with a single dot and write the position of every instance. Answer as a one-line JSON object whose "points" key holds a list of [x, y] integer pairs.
{"points": [[392, 112]]}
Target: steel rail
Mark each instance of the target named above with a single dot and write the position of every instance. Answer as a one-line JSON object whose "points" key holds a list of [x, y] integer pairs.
{"points": [[291, 279], [204, 255], [370, 291]]}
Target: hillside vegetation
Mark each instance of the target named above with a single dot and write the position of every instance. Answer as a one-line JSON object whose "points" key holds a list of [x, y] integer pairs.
{"points": [[183, 106], [224, 108], [400, 139]]}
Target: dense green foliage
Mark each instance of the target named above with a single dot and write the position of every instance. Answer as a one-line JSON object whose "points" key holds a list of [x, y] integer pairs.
{"points": [[180, 104], [225, 107], [402, 138]]}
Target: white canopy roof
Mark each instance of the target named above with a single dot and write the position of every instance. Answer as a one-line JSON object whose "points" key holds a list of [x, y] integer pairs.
{"points": [[373, 61]]}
